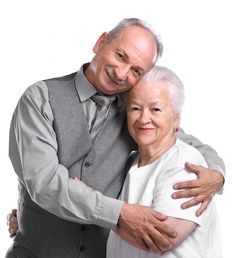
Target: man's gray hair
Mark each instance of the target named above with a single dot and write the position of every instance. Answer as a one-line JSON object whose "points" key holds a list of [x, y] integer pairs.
{"points": [[176, 87], [140, 23]]}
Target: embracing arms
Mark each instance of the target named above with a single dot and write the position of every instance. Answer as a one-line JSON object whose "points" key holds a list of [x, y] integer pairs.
{"points": [[33, 152]]}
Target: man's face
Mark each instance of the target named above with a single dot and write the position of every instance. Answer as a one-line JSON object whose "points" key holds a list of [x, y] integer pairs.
{"points": [[119, 64]]}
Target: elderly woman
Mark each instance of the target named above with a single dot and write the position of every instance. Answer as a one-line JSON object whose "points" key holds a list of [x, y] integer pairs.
{"points": [[153, 112]]}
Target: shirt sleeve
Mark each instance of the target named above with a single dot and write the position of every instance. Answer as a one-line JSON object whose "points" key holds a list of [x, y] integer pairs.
{"points": [[33, 153], [210, 155], [174, 172]]}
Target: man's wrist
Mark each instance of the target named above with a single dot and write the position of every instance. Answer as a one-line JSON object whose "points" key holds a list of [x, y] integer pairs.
{"points": [[220, 188], [109, 212]]}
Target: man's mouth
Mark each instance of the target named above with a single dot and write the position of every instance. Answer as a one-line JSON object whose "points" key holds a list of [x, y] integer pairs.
{"points": [[113, 78]]}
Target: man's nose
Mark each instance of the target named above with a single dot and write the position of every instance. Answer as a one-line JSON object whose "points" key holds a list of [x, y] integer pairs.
{"points": [[122, 72]]}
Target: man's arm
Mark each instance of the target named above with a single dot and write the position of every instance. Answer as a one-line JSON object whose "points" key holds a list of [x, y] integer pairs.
{"points": [[209, 180], [33, 153]]}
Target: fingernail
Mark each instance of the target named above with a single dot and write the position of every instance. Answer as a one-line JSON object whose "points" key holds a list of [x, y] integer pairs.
{"points": [[11, 231], [173, 196]]}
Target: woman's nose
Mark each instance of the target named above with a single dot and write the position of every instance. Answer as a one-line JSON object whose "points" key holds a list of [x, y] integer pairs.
{"points": [[144, 117]]}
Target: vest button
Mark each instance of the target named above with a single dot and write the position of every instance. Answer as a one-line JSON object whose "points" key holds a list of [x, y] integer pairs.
{"points": [[82, 248], [83, 228], [87, 164]]}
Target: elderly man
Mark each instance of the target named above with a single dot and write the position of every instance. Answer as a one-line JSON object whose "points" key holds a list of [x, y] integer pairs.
{"points": [[73, 127]]}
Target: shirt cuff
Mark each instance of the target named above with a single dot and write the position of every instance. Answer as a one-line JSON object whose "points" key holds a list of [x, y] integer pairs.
{"points": [[217, 168], [109, 212], [221, 171]]}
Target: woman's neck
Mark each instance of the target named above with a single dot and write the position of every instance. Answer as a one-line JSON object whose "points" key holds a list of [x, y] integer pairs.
{"points": [[149, 154]]}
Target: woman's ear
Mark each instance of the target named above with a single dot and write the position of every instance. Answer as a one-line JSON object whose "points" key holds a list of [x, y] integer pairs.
{"points": [[100, 42], [176, 124]]}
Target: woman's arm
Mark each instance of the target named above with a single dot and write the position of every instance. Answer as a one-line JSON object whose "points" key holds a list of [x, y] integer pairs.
{"points": [[182, 227]]}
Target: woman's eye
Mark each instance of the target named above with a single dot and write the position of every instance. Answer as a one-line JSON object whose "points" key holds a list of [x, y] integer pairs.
{"points": [[156, 109], [134, 109]]}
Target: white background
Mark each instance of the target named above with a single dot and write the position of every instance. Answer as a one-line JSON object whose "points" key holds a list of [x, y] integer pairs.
{"points": [[44, 39]]}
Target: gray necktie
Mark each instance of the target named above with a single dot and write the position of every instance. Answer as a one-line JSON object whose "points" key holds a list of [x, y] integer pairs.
{"points": [[103, 104]]}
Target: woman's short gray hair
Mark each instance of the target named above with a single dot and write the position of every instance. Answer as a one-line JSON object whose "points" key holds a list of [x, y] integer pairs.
{"points": [[140, 23], [176, 87]]}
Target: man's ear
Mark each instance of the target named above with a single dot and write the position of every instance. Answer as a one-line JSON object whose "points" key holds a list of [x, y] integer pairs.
{"points": [[100, 42]]}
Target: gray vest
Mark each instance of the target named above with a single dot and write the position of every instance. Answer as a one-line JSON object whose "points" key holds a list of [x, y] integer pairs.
{"points": [[101, 165]]}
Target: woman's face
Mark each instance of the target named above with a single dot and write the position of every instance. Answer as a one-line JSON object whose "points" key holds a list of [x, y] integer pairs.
{"points": [[152, 121]]}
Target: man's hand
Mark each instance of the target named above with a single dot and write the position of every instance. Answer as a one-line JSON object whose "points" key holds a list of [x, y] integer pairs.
{"points": [[203, 189], [12, 223], [143, 227]]}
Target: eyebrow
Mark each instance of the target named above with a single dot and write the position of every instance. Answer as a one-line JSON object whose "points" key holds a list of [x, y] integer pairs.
{"points": [[135, 102]]}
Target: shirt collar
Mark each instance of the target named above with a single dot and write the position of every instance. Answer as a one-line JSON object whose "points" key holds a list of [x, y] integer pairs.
{"points": [[84, 88]]}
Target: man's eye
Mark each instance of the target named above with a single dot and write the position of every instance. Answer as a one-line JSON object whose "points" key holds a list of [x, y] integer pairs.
{"points": [[136, 71], [119, 55]]}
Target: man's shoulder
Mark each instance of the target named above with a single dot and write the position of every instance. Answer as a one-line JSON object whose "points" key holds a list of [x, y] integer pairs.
{"points": [[62, 78], [39, 89]]}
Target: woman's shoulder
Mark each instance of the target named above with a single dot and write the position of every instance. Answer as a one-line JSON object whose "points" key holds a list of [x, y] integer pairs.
{"points": [[188, 153]]}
